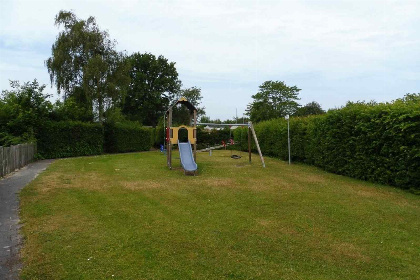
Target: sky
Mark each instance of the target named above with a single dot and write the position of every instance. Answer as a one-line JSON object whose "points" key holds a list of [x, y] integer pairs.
{"points": [[335, 51]]}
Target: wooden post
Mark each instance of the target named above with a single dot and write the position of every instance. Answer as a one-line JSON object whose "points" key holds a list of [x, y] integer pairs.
{"points": [[249, 143], [256, 142], [195, 130], [169, 139]]}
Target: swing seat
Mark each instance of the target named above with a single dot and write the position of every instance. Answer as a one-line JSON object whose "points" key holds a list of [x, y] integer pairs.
{"points": [[235, 156]]}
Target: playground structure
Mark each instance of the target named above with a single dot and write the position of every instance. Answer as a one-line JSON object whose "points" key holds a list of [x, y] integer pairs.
{"points": [[188, 157], [187, 154]]}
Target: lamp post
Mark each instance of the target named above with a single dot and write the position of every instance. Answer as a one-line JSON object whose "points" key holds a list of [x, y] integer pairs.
{"points": [[288, 135]]}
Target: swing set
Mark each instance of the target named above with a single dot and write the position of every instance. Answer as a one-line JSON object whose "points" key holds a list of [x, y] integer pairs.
{"points": [[250, 131], [188, 150]]}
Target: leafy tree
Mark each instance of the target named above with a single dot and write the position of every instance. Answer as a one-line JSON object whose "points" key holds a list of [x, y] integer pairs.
{"points": [[154, 82], [69, 110], [274, 99], [205, 119], [411, 98], [22, 111], [114, 115], [84, 64], [312, 108]]}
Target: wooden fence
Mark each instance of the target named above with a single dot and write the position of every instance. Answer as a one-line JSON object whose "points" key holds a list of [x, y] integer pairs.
{"points": [[15, 157]]}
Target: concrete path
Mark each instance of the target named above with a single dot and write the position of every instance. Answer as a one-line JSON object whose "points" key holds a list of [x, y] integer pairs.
{"points": [[10, 241]]}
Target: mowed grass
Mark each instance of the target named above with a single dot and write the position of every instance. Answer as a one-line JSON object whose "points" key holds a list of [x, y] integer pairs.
{"points": [[128, 217]]}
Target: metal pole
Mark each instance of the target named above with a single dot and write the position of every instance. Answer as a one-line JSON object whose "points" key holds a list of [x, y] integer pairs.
{"points": [[169, 151], [249, 143], [195, 136], [223, 124]]}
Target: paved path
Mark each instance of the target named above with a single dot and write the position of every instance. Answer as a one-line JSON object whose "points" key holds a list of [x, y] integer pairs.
{"points": [[9, 220]]}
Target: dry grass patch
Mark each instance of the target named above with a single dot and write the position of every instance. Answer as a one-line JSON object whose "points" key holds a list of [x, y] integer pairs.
{"points": [[348, 250], [142, 184]]}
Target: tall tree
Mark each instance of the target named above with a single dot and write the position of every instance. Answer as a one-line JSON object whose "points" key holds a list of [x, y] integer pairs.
{"points": [[154, 82], [312, 108], [84, 64], [273, 100]]}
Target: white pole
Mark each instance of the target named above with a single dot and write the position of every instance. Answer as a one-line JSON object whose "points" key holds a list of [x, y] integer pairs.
{"points": [[288, 135]]}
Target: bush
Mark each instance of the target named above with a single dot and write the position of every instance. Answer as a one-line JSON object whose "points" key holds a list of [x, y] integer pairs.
{"points": [[69, 139], [374, 142], [127, 137], [213, 137]]}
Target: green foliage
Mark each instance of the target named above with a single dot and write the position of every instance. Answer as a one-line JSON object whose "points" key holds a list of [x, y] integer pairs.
{"points": [[70, 110], [127, 137], [205, 119], [213, 137], [154, 82], [84, 64], [70, 139], [312, 108], [114, 115], [22, 110], [274, 99], [374, 142]]}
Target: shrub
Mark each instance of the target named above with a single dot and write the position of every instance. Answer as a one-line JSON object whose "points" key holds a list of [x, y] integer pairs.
{"points": [[127, 137], [69, 139], [213, 137], [374, 142]]}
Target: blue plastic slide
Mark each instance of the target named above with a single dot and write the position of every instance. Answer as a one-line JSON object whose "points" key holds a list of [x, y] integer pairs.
{"points": [[186, 155]]}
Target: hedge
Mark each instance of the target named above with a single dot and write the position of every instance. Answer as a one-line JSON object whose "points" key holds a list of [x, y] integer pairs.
{"points": [[69, 139], [127, 137], [373, 142]]}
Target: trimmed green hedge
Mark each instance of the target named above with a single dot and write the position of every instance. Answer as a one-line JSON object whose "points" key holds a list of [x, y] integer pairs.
{"points": [[374, 142], [127, 137], [69, 139]]}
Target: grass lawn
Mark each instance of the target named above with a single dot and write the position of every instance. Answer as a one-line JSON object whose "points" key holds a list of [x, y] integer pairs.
{"points": [[127, 216]]}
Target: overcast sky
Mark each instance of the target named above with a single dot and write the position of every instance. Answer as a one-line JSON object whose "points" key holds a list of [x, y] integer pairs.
{"points": [[335, 51]]}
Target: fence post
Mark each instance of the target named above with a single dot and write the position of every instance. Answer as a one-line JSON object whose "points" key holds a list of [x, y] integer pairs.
{"points": [[1, 162]]}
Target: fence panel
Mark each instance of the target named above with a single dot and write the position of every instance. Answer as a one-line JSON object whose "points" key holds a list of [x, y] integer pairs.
{"points": [[15, 157]]}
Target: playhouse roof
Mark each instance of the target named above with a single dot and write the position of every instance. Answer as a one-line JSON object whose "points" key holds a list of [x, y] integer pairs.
{"points": [[185, 102]]}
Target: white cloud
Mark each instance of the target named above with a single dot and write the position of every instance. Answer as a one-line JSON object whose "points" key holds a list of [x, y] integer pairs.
{"points": [[334, 50]]}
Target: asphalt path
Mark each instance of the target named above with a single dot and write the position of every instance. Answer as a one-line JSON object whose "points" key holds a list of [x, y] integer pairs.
{"points": [[10, 239]]}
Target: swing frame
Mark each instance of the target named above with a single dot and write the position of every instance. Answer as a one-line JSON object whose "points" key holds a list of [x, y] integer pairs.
{"points": [[250, 131]]}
